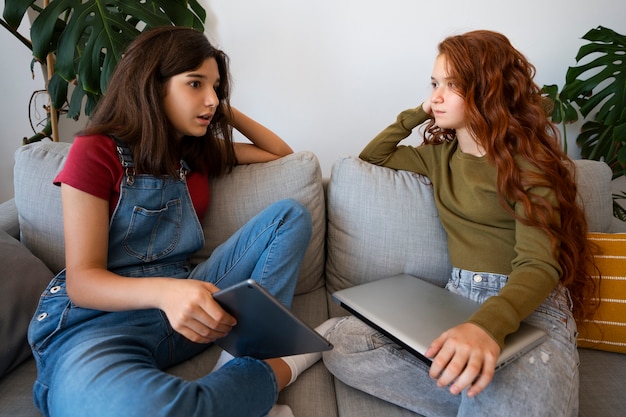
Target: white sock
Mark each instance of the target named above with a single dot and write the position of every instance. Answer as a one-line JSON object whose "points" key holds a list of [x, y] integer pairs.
{"points": [[327, 325], [224, 358], [302, 362], [280, 410]]}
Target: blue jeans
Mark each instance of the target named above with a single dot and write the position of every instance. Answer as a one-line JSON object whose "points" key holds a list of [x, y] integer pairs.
{"points": [[544, 382], [95, 363]]}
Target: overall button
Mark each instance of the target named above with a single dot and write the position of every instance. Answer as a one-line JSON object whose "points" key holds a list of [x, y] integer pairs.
{"points": [[55, 290], [42, 316], [477, 278]]}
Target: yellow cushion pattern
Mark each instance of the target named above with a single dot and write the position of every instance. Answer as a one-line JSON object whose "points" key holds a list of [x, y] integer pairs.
{"points": [[607, 329]]}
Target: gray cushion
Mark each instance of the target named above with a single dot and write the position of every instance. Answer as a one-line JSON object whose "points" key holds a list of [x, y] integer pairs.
{"points": [[602, 376], [382, 222], [593, 179], [235, 199], [23, 279], [16, 392], [38, 201], [238, 196]]}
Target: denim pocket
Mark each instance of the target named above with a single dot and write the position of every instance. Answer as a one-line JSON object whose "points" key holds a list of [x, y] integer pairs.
{"points": [[153, 234], [477, 286]]}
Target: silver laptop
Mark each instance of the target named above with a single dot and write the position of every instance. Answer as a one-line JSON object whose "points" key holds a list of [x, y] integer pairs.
{"points": [[413, 313], [265, 328]]}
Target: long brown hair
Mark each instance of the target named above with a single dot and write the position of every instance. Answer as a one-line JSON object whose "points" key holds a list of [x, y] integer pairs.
{"points": [[505, 112], [132, 105]]}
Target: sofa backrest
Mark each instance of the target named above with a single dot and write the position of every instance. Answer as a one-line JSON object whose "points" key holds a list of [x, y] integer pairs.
{"points": [[38, 200], [368, 236], [235, 199], [383, 222]]}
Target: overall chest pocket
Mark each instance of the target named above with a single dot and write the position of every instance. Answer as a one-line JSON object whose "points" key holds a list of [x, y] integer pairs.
{"points": [[153, 234]]}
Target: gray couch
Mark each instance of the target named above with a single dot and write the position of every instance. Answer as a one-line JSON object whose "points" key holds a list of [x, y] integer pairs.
{"points": [[369, 222]]}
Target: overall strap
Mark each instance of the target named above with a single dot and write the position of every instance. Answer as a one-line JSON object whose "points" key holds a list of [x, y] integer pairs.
{"points": [[126, 159], [184, 170]]}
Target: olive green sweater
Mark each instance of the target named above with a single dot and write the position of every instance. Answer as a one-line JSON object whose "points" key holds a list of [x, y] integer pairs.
{"points": [[482, 235]]}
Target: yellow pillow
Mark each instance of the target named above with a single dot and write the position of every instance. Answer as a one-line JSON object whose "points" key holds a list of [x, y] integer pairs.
{"points": [[607, 329]]}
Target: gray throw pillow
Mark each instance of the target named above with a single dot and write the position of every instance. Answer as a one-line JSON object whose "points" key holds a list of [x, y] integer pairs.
{"points": [[23, 279]]}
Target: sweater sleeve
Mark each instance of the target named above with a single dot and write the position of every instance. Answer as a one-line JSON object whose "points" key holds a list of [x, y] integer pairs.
{"points": [[384, 150], [535, 273]]}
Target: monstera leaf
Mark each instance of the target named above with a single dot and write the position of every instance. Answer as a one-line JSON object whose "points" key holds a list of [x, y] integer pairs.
{"points": [[598, 87], [601, 82], [88, 37], [561, 111]]}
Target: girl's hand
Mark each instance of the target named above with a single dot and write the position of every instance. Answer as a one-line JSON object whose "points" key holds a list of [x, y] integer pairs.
{"points": [[192, 311], [464, 357], [426, 106]]}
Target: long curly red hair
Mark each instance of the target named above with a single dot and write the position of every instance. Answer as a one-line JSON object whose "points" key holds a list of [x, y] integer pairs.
{"points": [[506, 113]]}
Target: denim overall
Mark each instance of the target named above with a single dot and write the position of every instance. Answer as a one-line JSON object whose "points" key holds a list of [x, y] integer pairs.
{"points": [[95, 363]]}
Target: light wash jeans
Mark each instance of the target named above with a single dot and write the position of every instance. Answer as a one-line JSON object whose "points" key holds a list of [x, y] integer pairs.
{"points": [[544, 382], [95, 363]]}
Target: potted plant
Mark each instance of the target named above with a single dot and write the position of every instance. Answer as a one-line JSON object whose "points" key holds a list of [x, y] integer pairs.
{"points": [[80, 43], [597, 89]]}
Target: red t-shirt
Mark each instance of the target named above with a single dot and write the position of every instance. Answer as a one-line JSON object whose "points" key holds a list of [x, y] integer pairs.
{"points": [[93, 166]]}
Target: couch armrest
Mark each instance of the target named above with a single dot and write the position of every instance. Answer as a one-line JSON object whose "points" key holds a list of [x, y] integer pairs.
{"points": [[8, 218]]}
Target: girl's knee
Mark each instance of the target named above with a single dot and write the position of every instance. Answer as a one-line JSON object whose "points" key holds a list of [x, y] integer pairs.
{"points": [[294, 208], [296, 214], [351, 336]]}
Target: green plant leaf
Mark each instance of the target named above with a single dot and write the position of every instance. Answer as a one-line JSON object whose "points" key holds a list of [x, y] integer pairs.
{"points": [[57, 89], [598, 87], [596, 142], [562, 110], [619, 211], [14, 11], [600, 84], [619, 139], [93, 35]]}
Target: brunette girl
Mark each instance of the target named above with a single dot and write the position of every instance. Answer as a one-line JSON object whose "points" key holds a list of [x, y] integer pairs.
{"points": [[129, 303]]}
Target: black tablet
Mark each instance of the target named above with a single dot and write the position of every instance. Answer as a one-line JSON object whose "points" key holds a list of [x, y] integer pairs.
{"points": [[265, 328]]}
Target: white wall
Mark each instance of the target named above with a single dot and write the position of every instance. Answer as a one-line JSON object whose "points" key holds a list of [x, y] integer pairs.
{"points": [[16, 87], [328, 75]]}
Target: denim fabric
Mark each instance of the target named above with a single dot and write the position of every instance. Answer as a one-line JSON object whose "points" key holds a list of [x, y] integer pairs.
{"points": [[111, 363], [544, 382]]}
